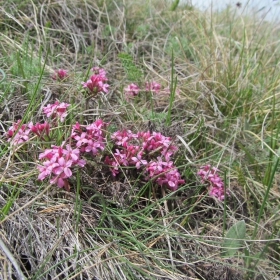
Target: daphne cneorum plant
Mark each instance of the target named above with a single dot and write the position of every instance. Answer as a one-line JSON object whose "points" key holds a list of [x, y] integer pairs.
{"points": [[145, 153]]}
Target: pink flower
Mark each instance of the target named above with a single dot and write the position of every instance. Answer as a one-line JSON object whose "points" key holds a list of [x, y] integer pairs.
{"points": [[40, 128], [89, 138], [210, 176], [99, 71], [47, 168], [113, 165], [155, 167], [82, 140], [152, 86], [56, 110], [59, 74], [73, 155], [158, 142], [164, 173], [48, 153], [22, 134], [121, 157], [131, 90], [57, 180], [122, 137], [138, 161], [93, 146], [58, 164], [63, 168], [145, 151], [95, 83]]}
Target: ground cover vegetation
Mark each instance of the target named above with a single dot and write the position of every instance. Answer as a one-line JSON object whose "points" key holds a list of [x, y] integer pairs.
{"points": [[139, 140]]}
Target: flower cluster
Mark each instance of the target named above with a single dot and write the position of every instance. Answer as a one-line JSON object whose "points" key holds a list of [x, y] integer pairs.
{"points": [[18, 135], [56, 110], [58, 161], [131, 90], [164, 173], [89, 138], [149, 153], [152, 86], [21, 135], [40, 129], [95, 83], [146, 153], [215, 184], [59, 74]]}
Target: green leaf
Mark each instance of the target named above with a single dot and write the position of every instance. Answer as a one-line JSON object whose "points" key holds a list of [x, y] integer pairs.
{"points": [[174, 5], [234, 238]]}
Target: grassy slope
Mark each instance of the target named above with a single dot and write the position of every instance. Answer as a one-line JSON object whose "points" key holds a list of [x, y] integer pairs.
{"points": [[226, 114]]}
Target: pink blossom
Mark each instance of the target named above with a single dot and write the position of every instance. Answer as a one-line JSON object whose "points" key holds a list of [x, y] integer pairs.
{"points": [[209, 175], [40, 128], [121, 157], [22, 134], [59, 163], [48, 153], [93, 146], [56, 110], [81, 139], [47, 168], [63, 168], [113, 165], [73, 155], [171, 179], [99, 71], [147, 152], [152, 86], [89, 138], [76, 126], [131, 90], [158, 142], [95, 83], [155, 167], [55, 152], [164, 173], [122, 137], [59, 74], [138, 161]]}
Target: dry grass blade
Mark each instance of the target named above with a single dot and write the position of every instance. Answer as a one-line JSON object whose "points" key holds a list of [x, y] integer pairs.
{"points": [[6, 251]]}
